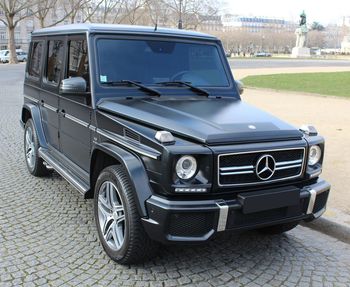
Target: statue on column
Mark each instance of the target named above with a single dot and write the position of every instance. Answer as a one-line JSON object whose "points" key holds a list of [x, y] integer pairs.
{"points": [[301, 31], [300, 49]]}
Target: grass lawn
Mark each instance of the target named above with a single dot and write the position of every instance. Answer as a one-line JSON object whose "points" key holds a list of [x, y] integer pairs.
{"points": [[334, 84]]}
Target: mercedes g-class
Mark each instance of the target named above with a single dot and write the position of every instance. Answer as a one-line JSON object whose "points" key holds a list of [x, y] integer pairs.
{"points": [[149, 123]]}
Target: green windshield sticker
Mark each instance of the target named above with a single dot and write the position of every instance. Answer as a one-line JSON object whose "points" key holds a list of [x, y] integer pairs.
{"points": [[103, 78]]}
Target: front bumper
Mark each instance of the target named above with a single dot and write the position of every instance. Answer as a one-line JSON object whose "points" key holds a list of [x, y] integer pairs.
{"points": [[199, 220]]}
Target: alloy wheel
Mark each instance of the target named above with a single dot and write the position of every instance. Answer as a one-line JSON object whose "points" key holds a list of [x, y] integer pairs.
{"points": [[30, 147], [111, 215]]}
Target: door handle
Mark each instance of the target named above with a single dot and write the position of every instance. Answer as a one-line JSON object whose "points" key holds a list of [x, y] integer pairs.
{"points": [[63, 112], [42, 102]]}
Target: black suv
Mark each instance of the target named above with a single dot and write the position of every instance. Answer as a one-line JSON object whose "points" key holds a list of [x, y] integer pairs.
{"points": [[150, 124]]}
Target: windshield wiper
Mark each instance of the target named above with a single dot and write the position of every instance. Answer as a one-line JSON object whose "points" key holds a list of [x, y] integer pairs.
{"points": [[187, 84], [137, 84]]}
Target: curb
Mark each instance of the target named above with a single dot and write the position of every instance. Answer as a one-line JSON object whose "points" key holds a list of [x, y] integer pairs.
{"points": [[331, 228]]}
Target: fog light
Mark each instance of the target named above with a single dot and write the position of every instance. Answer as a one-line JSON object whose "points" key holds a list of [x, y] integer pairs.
{"points": [[315, 154]]}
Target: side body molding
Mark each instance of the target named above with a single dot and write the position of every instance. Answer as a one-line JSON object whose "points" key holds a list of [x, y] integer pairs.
{"points": [[135, 171], [35, 114]]}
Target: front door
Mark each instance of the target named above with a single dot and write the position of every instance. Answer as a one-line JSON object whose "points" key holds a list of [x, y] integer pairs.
{"points": [[75, 110]]}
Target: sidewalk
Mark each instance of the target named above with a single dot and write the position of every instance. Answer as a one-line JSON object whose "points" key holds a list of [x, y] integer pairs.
{"points": [[334, 223]]}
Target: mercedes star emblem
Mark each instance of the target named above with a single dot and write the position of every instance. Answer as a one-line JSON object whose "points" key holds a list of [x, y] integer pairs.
{"points": [[265, 167]]}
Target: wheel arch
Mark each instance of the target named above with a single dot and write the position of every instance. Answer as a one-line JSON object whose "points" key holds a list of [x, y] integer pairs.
{"points": [[31, 111], [107, 154]]}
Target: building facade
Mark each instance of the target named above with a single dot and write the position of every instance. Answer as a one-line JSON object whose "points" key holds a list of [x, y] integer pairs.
{"points": [[256, 24]]}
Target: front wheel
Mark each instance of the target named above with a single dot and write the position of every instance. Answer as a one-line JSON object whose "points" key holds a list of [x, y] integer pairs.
{"points": [[280, 228], [117, 219]]}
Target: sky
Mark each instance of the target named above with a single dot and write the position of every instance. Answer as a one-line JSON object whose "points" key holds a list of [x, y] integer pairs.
{"points": [[323, 11]]}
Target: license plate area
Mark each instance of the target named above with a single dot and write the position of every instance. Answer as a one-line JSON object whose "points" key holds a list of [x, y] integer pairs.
{"points": [[257, 201]]}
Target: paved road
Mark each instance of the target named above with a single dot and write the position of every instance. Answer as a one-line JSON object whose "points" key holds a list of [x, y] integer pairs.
{"points": [[284, 63], [48, 237]]}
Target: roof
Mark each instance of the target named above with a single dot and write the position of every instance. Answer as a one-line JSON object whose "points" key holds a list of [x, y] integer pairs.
{"points": [[118, 29]]}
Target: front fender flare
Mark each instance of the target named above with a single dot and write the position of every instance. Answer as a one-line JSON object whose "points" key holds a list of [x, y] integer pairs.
{"points": [[35, 115], [135, 171]]}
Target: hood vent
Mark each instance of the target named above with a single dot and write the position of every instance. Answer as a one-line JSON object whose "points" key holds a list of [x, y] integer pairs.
{"points": [[131, 135]]}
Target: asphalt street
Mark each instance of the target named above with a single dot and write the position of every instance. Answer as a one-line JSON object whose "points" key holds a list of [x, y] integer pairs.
{"points": [[253, 63], [48, 236]]}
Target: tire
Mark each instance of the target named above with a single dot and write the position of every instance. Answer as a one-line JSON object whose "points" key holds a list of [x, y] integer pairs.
{"points": [[279, 229], [34, 163], [117, 219]]}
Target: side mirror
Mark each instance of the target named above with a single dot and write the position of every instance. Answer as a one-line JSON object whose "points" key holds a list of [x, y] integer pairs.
{"points": [[75, 85], [240, 86]]}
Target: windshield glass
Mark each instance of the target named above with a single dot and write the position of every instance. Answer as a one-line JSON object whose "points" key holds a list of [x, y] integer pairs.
{"points": [[152, 62]]}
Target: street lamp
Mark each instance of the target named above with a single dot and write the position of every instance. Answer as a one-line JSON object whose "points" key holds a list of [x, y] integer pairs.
{"points": [[180, 15]]}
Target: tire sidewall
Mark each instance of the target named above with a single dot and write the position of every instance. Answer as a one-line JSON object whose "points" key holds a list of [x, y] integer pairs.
{"points": [[29, 124], [108, 175]]}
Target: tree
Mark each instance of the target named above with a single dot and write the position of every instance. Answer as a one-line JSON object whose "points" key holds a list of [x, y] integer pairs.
{"points": [[134, 10], [14, 12], [316, 39], [316, 26], [191, 13]]}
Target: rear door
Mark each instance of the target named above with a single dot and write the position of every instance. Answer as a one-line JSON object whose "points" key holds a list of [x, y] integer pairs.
{"points": [[75, 110], [32, 84], [54, 57]]}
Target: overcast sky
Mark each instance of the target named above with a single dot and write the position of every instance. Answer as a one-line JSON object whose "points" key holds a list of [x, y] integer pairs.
{"points": [[330, 11]]}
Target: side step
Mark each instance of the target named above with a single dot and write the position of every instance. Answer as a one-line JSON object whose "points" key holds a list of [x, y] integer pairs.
{"points": [[67, 171]]}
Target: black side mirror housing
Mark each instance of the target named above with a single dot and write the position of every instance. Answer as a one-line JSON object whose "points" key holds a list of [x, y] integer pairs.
{"points": [[74, 85], [240, 86]]}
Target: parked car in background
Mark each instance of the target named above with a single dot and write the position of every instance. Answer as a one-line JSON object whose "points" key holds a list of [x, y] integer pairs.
{"points": [[3, 53], [262, 54], [22, 56], [5, 56]]}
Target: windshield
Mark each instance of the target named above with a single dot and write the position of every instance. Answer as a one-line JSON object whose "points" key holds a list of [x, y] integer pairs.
{"points": [[153, 62]]}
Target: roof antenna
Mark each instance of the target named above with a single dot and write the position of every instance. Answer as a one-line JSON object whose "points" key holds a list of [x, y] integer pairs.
{"points": [[156, 26]]}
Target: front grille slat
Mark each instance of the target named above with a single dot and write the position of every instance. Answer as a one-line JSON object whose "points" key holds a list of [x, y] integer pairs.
{"points": [[240, 168], [237, 172]]}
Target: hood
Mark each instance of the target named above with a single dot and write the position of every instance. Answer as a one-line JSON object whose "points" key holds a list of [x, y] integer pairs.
{"points": [[207, 120]]}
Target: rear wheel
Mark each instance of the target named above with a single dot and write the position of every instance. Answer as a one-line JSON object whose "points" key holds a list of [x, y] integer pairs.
{"points": [[34, 163], [118, 221], [280, 228]]}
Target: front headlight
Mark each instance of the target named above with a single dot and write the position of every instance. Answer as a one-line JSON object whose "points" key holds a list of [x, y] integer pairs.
{"points": [[315, 154], [186, 167]]}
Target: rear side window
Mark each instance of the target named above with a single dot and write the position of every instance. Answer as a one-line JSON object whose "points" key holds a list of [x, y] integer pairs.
{"points": [[54, 61], [34, 67]]}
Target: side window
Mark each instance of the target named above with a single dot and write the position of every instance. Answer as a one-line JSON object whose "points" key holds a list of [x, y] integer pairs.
{"points": [[78, 62], [36, 52], [54, 61]]}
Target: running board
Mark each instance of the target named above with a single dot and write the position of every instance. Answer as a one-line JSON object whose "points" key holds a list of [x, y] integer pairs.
{"points": [[67, 173]]}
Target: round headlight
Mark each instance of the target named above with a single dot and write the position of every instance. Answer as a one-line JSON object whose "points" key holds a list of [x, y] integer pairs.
{"points": [[186, 167], [314, 154]]}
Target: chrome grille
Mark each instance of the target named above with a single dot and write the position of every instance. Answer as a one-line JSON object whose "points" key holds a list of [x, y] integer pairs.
{"points": [[240, 168]]}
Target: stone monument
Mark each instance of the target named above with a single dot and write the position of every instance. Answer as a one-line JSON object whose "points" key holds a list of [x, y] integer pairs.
{"points": [[345, 45], [300, 50]]}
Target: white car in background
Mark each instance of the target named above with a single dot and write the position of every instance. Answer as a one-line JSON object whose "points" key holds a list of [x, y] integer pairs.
{"points": [[5, 56]]}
